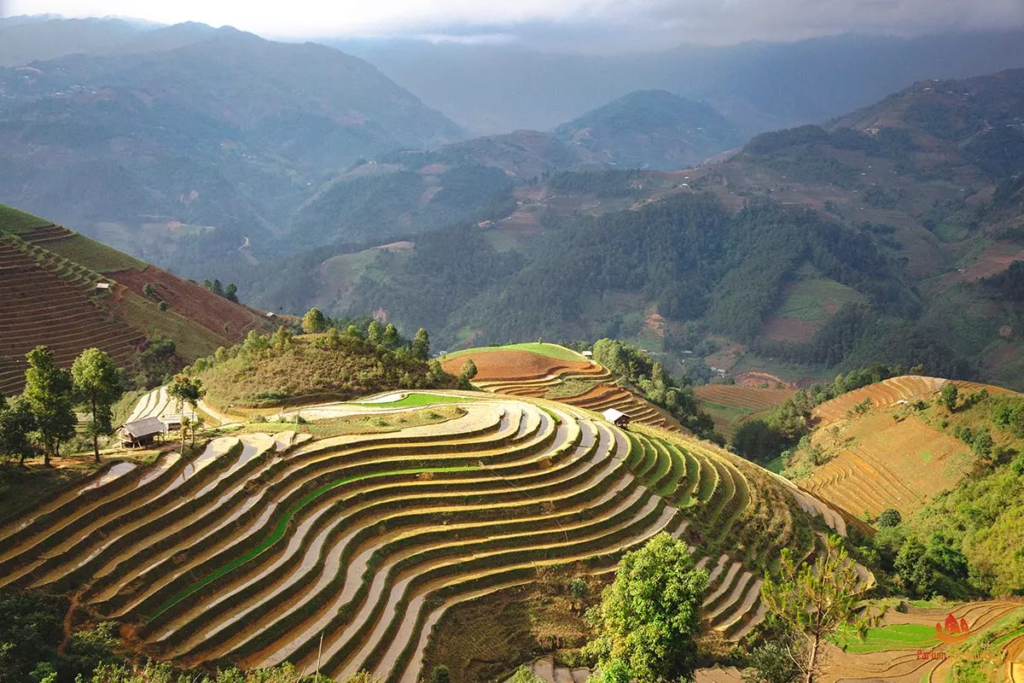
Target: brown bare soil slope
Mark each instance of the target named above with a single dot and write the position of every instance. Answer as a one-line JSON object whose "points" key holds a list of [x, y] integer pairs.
{"points": [[502, 364], [215, 313], [40, 307]]}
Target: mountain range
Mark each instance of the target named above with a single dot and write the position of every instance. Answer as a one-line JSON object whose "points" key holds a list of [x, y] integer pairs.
{"points": [[308, 177]]}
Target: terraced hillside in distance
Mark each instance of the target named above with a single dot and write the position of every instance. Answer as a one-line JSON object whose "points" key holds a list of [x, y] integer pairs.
{"points": [[880, 452], [49, 294], [557, 373], [730, 405], [258, 545]]}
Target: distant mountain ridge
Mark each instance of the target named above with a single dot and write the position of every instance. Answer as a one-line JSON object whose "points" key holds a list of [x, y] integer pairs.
{"points": [[183, 155], [651, 129]]}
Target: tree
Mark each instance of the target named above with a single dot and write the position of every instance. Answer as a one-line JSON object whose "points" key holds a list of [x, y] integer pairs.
{"points": [[374, 334], [48, 391], [982, 443], [649, 617], [16, 426], [190, 390], [231, 292], [157, 361], [440, 674], [915, 571], [816, 600], [98, 386], [391, 338], [948, 396], [890, 518], [421, 345], [468, 369], [314, 321]]}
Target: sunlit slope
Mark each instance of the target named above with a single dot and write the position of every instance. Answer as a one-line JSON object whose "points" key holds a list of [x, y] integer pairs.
{"points": [[880, 452], [49, 295], [253, 549]]}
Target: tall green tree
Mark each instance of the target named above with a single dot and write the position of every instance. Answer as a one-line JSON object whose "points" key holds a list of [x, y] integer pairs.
{"points": [[314, 321], [16, 426], [391, 338], [649, 617], [190, 391], [49, 393], [98, 386], [468, 369], [421, 345], [948, 396], [374, 334], [816, 600]]}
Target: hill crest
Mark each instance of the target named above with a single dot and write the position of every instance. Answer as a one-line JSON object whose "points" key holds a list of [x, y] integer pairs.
{"points": [[652, 129]]}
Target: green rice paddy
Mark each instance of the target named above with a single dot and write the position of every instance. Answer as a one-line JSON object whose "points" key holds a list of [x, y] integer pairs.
{"points": [[418, 400]]}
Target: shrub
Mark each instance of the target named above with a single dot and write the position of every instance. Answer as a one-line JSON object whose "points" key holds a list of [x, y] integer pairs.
{"points": [[890, 518], [162, 306], [1017, 466]]}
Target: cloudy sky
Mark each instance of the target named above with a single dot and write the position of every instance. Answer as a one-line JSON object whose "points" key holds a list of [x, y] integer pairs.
{"points": [[650, 23]]}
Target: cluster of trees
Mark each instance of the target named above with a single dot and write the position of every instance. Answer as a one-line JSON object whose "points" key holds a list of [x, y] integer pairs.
{"points": [[648, 378], [230, 292], [266, 370], [43, 419], [315, 322]]}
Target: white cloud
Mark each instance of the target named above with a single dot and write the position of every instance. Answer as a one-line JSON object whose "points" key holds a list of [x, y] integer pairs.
{"points": [[672, 21]]}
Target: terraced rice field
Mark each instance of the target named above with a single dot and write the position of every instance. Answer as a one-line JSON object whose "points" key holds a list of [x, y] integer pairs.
{"points": [[511, 364], [884, 460], [38, 289], [905, 648], [889, 465], [536, 378], [908, 388], [254, 549], [732, 405]]}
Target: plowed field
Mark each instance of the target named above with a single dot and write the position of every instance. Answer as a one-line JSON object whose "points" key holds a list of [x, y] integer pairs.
{"points": [[502, 364]]}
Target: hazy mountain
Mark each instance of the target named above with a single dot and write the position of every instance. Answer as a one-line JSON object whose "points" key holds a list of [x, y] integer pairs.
{"points": [[651, 129], [27, 39], [884, 236], [181, 155], [759, 86]]}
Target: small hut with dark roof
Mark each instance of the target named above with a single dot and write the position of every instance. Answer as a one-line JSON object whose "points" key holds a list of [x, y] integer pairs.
{"points": [[141, 432]]}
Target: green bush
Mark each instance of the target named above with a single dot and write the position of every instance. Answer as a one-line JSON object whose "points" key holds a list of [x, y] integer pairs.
{"points": [[890, 518]]}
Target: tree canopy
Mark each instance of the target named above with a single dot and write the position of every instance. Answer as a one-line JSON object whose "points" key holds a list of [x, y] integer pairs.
{"points": [[48, 392], [98, 385], [649, 617]]}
